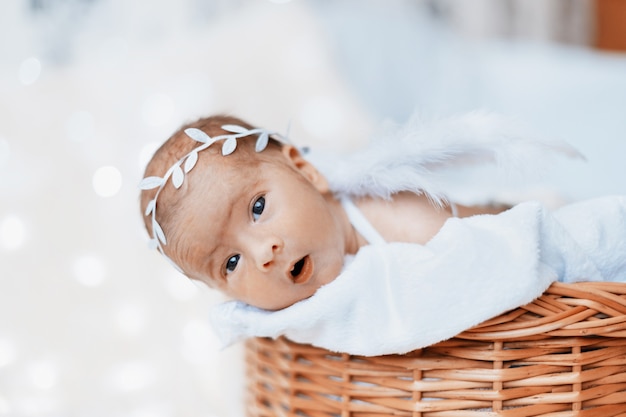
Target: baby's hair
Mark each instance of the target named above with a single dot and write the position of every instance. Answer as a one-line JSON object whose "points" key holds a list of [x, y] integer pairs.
{"points": [[164, 177], [173, 149]]}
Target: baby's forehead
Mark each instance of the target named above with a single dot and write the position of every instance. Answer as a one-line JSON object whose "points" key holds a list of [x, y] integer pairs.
{"points": [[221, 180]]}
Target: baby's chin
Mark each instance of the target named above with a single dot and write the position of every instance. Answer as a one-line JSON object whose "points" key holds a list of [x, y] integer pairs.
{"points": [[274, 306], [300, 294]]}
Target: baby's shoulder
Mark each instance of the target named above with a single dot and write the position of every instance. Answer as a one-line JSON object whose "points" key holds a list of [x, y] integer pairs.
{"points": [[405, 217]]}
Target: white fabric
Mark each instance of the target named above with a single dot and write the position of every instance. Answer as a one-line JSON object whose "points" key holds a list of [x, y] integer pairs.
{"points": [[454, 210], [360, 223], [397, 297]]}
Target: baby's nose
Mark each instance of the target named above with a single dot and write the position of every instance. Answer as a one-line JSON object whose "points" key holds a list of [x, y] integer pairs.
{"points": [[267, 250]]}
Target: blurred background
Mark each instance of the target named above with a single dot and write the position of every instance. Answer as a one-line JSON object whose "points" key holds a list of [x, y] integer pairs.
{"points": [[92, 323]]}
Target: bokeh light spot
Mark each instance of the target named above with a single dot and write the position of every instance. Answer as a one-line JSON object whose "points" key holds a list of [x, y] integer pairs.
{"points": [[89, 270], [12, 232], [107, 181], [29, 71]]}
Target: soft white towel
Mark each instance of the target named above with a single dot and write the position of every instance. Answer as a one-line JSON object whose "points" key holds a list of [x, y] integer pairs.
{"points": [[397, 297]]}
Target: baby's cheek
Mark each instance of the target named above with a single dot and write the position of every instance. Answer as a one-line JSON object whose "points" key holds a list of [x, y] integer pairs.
{"points": [[332, 272]]}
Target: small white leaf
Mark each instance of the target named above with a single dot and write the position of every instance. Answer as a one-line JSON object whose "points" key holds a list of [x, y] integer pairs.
{"points": [[261, 142], [234, 129], [153, 244], [191, 160], [149, 183], [177, 176], [229, 146], [150, 207], [197, 135], [159, 232]]}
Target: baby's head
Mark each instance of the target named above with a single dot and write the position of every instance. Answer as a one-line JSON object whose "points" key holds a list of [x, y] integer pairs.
{"points": [[257, 222]]}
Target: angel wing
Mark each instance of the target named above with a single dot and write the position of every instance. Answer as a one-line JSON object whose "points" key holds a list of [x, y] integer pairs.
{"points": [[409, 157]]}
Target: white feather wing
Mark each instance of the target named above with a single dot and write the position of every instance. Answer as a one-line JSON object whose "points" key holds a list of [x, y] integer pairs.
{"points": [[410, 157]]}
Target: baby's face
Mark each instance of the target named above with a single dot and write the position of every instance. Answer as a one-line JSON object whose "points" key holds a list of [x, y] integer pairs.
{"points": [[269, 236]]}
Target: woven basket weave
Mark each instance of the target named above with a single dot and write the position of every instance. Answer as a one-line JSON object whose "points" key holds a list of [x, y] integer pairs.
{"points": [[562, 355]]}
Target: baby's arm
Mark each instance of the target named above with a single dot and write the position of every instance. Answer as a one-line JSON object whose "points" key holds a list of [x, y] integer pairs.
{"points": [[495, 208], [409, 217]]}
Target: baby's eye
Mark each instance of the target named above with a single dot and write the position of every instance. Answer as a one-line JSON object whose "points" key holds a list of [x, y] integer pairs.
{"points": [[257, 208], [231, 263]]}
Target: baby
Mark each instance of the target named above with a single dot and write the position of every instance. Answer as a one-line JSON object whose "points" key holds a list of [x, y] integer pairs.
{"points": [[259, 222], [361, 254]]}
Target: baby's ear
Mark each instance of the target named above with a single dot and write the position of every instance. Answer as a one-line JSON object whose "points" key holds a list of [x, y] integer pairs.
{"points": [[305, 168]]}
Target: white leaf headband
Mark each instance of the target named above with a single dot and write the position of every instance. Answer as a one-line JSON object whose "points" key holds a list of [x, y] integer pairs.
{"points": [[185, 164]]}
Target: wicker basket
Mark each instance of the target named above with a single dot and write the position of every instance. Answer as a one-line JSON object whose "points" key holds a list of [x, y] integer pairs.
{"points": [[562, 355]]}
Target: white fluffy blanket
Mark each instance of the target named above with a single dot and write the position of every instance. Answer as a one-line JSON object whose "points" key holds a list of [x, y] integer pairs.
{"points": [[397, 297]]}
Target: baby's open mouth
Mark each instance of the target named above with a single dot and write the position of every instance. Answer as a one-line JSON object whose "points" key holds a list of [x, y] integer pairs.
{"points": [[302, 270]]}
